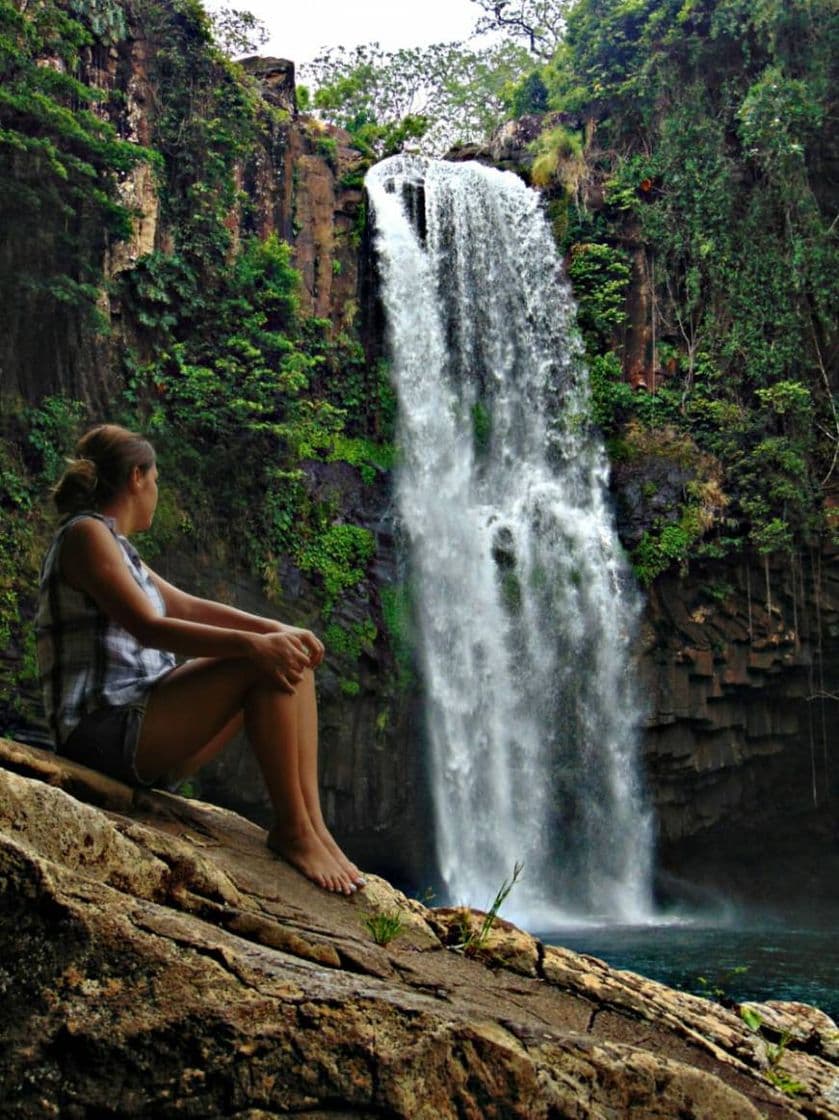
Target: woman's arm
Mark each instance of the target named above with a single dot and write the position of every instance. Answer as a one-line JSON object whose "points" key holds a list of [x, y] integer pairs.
{"points": [[190, 608], [180, 604], [93, 562]]}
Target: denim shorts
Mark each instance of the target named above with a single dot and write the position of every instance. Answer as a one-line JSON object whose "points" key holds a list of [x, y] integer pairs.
{"points": [[106, 740]]}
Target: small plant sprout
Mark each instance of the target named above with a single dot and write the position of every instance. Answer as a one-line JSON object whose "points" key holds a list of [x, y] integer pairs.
{"points": [[774, 1052], [751, 1018], [384, 926], [476, 940]]}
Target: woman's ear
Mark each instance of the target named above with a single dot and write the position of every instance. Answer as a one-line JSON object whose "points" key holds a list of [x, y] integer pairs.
{"points": [[135, 477]]}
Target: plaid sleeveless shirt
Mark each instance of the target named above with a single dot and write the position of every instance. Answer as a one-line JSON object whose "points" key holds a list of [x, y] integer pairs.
{"points": [[86, 661]]}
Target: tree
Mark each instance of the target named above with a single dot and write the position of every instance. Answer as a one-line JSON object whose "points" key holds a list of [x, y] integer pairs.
{"points": [[539, 23], [237, 32], [434, 96]]}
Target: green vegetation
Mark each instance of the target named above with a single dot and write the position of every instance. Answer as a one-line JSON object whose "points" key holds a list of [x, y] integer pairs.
{"points": [[539, 24], [350, 641], [61, 162], [339, 555], [481, 427], [33, 442], [774, 1052], [16, 538], [695, 131], [238, 32], [706, 129], [384, 926], [398, 617], [237, 387], [229, 392], [475, 939], [431, 96], [677, 534], [717, 987], [559, 159], [599, 275]]}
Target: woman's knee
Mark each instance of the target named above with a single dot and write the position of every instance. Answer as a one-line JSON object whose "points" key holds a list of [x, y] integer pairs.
{"points": [[266, 687]]}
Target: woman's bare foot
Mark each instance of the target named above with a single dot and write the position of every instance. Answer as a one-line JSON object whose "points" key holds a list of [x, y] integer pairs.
{"points": [[346, 865], [309, 855]]}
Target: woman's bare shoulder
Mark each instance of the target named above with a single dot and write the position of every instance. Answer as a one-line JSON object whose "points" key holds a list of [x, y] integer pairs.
{"points": [[88, 545], [85, 532]]}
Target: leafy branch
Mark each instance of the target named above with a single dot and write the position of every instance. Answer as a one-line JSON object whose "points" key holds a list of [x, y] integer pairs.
{"points": [[539, 23]]}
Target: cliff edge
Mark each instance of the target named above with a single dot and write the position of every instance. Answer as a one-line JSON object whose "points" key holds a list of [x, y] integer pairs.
{"points": [[158, 961]]}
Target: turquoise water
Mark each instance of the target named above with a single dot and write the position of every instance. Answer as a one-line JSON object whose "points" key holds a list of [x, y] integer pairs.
{"points": [[779, 962]]}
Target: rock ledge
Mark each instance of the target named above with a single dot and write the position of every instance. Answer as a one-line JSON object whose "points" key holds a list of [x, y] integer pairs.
{"points": [[157, 961]]}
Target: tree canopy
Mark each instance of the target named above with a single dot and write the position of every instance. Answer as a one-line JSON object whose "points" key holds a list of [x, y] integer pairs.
{"points": [[430, 96], [237, 31]]}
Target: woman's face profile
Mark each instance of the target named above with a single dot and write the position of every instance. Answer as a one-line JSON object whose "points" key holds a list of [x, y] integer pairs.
{"points": [[146, 494]]}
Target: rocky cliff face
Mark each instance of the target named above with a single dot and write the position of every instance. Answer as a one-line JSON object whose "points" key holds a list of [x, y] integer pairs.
{"points": [[297, 185], [158, 961], [299, 181]]}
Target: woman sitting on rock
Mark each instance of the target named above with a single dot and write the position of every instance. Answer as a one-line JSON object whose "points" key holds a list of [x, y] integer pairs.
{"points": [[108, 629]]}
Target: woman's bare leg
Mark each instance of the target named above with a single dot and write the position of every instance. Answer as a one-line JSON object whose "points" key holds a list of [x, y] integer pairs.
{"points": [[307, 744], [188, 717], [308, 748], [210, 750]]}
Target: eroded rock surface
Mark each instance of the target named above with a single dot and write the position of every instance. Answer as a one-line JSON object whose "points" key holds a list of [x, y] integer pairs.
{"points": [[158, 961]]}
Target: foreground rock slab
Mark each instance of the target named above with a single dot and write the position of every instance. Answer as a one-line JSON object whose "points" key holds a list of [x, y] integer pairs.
{"points": [[156, 960]]}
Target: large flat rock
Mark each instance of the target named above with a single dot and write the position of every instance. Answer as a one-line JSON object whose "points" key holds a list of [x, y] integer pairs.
{"points": [[156, 960]]}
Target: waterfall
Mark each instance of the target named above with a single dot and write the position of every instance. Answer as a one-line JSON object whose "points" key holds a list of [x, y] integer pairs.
{"points": [[525, 609]]}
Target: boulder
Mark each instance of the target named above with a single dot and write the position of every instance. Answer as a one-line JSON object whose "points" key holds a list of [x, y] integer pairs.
{"points": [[159, 961]]}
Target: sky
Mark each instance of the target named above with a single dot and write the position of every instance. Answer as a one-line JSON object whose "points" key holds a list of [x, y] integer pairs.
{"points": [[300, 29]]}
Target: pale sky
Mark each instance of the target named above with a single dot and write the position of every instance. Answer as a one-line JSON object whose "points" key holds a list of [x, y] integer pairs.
{"points": [[300, 29]]}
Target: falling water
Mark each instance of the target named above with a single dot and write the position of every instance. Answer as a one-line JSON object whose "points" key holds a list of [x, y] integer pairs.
{"points": [[526, 614]]}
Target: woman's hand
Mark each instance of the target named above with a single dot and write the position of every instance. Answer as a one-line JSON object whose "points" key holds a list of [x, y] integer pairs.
{"points": [[313, 645], [286, 654]]}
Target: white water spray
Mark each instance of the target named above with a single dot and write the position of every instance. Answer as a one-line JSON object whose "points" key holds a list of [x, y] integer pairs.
{"points": [[525, 609]]}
